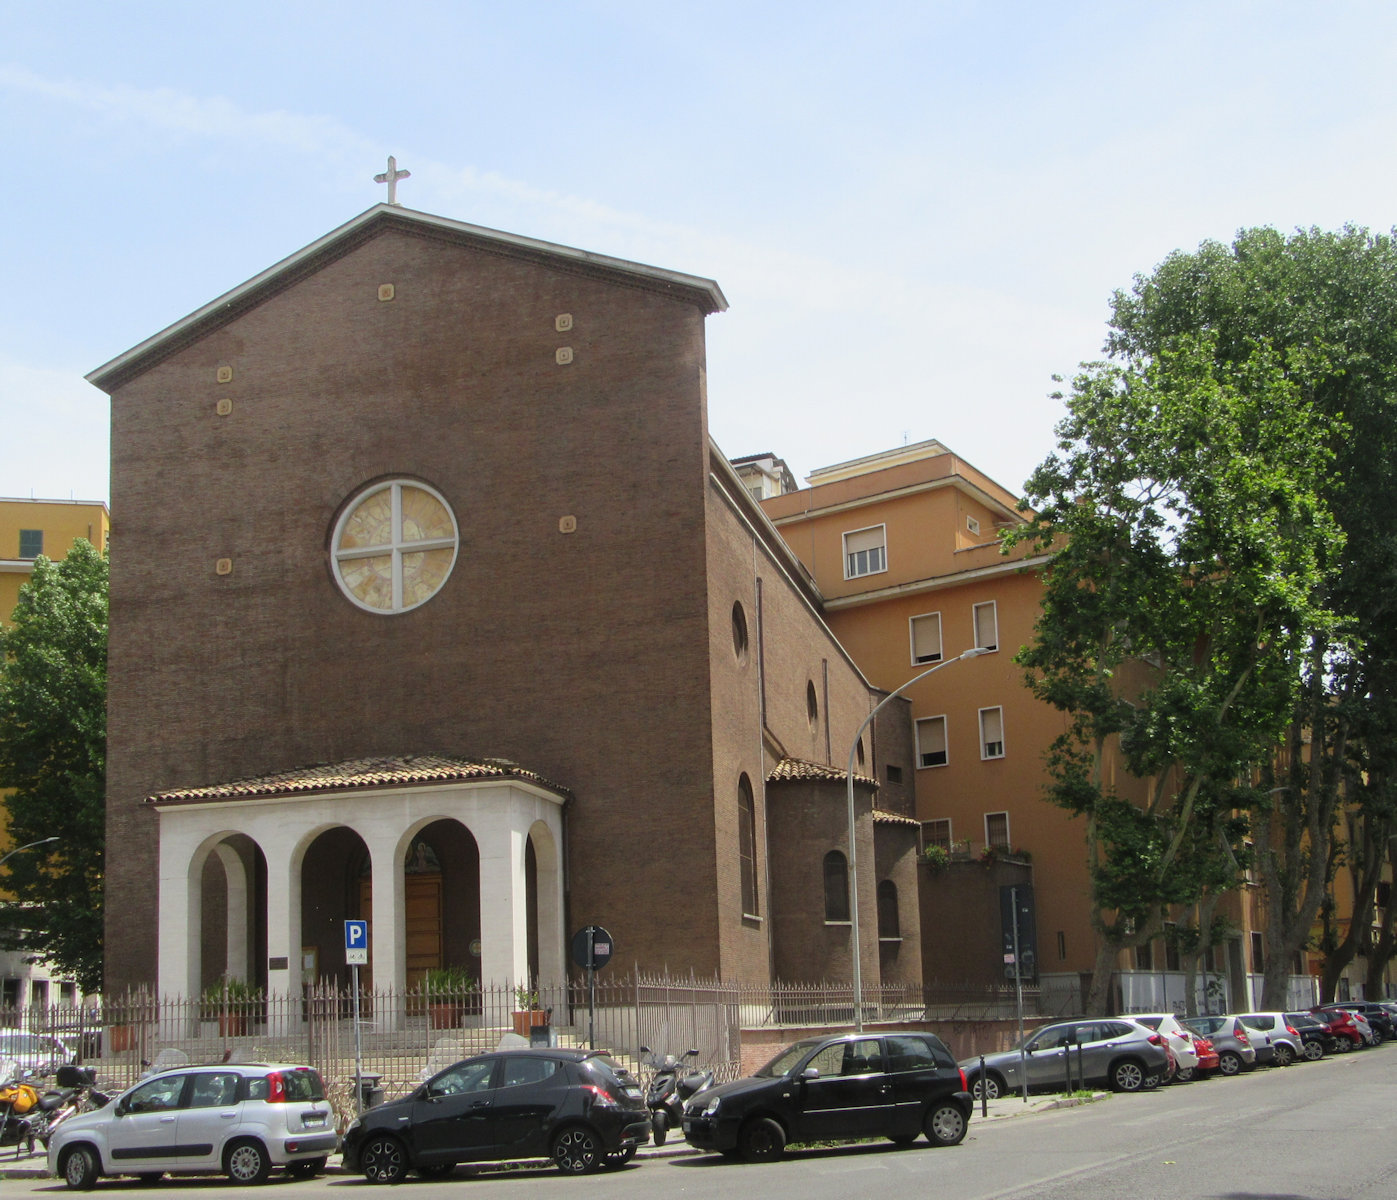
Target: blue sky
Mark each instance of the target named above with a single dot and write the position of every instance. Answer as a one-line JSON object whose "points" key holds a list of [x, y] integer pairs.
{"points": [[918, 212]]}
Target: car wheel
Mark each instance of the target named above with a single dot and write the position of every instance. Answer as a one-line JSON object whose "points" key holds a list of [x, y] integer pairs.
{"points": [[383, 1160], [577, 1150], [761, 1139], [945, 1125], [307, 1168], [618, 1158], [80, 1169], [1314, 1051], [1185, 1075], [1229, 1063], [246, 1163], [436, 1171], [1344, 1045], [991, 1086], [1127, 1076], [1377, 1037], [1284, 1055]]}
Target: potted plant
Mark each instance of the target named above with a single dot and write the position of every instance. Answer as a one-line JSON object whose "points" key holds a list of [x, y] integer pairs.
{"points": [[449, 991], [230, 1002], [528, 1010], [936, 856]]}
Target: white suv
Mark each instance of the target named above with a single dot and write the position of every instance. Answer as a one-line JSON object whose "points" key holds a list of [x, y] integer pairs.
{"points": [[238, 1119], [1180, 1041]]}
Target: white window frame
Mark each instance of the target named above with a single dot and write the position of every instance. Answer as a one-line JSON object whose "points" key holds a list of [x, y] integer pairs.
{"points": [[912, 638], [975, 612], [1002, 813], [986, 753], [945, 741], [883, 552], [972, 524]]}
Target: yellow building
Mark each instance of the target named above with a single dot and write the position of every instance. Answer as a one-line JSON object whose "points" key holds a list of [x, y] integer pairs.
{"points": [[29, 528]]}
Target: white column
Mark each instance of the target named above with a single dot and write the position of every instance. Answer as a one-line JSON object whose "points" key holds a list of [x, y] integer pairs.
{"points": [[552, 937], [235, 876], [504, 947], [179, 899], [283, 931], [388, 951]]}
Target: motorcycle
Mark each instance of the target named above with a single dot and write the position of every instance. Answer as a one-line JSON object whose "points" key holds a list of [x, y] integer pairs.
{"points": [[19, 1098], [76, 1093], [669, 1089]]}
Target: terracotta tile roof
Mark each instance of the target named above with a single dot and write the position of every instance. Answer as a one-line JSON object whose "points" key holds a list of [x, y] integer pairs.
{"points": [[797, 770], [405, 771], [889, 818]]}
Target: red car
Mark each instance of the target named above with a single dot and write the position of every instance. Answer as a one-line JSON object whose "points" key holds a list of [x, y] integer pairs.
{"points": [[1208, 1058], [1343, 1029]]}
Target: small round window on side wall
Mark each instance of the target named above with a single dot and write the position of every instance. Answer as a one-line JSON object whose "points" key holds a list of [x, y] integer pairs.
{"points": [[394, 546], [739, 632]]}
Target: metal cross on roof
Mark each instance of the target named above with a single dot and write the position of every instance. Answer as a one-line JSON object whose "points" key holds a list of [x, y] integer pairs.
{"points": [[391, 177]]}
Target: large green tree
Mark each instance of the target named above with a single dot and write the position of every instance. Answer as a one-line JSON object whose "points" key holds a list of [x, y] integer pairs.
{"points": [[1190, 539], [53, 729], [1325, 304]]}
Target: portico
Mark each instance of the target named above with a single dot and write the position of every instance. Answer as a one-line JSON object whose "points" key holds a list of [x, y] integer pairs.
{"points": [[513, 818]]}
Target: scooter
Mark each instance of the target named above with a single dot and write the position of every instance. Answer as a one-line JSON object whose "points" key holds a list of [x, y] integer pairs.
{"points": [[670, 1089], [18, 1100]]}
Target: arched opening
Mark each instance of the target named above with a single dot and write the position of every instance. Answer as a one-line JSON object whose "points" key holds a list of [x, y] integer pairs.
{"points": [[836, 887], [232, 913], [334, 872]]}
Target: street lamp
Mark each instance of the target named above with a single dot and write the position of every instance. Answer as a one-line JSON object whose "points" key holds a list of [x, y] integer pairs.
{"points": [[973, 652], [26, 846]]}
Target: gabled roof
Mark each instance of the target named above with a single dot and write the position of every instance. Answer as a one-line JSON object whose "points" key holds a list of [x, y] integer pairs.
{"points": [[705, 293], [354, 774]]}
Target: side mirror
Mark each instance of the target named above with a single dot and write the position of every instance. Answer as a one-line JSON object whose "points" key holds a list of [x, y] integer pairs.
{"points": [[646, 1050], [691, 1053], [810, 1073]]}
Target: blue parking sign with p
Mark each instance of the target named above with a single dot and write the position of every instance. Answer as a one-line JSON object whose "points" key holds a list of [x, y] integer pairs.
{"points": [[356, 943]]}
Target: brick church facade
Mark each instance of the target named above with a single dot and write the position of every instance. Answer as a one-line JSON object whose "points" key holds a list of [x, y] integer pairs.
{"points": [[433, 603]]}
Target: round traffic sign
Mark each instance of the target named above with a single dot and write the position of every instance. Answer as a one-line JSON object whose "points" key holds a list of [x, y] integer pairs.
{"points": [[591, 947]]}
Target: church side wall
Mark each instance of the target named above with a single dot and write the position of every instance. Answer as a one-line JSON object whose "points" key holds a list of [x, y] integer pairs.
{"points": [[582, 655]]}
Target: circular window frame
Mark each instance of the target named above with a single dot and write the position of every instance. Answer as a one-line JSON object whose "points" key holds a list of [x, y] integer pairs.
{"points": [[396, 548]]}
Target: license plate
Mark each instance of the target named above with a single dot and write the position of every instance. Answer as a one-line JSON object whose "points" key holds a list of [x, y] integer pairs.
{"points": [[633, 1093], [688, 1124], [313, 1119]]}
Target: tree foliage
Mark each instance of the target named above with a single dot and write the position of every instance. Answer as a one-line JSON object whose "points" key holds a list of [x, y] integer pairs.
{"points": [[1186, 514], [1325, 305], [53, 663]]}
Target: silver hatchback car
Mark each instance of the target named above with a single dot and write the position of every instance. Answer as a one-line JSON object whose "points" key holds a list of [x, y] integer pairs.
{"points": [[1117, 1051], [236, 1119]]}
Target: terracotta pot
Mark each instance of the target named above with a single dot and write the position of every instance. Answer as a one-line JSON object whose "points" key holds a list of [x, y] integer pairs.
{"points": [[527, 1019], [446, 1016]]}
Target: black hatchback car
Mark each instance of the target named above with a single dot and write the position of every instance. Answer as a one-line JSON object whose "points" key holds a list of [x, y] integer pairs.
{"points": [[894, 1085], [578, 1107]]}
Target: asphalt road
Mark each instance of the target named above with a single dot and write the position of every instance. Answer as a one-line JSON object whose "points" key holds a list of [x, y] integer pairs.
{"points": [[1314, 1131]]}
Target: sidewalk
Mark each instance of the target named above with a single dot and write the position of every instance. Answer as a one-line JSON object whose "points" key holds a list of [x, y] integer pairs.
{"points": [[15, 1165]]}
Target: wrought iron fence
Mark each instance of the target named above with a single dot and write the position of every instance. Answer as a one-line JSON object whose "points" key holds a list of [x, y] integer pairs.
{"points": [[406, 1036]]}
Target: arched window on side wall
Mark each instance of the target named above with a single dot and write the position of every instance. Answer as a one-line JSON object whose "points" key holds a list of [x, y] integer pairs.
{"points": [[747, 844], [888, 926], [836, 887]]}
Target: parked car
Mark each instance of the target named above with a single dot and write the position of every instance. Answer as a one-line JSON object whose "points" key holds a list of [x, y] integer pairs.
{"points": [[843, 1086], [1180, 1042], [1343, 1026], [38, 1052], [1230, 1039], [1208, 1059], [1116, 1051], [237, 1119], [1314, 1035], [1377, 1015], [580, 1108], [1276, 1041]]}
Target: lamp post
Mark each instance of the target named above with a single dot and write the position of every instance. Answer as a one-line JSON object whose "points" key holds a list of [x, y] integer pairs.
{"points": [[26, 846], [973, 652]]}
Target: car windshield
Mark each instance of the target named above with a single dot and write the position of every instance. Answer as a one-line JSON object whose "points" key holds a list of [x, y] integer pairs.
{"points": [[787, 1059]]}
